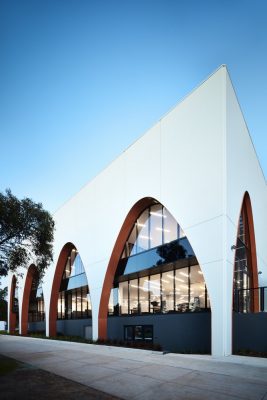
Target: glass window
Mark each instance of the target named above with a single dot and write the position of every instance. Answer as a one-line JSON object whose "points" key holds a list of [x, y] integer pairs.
{"points": [[36, 310], [181, 290], [142, 226], [74, 265], [133, 300], [138, 332], [73, 255], [243, 297], [131, 245], [154, 288], [241, 231], [208, 299], [167, 282], [111, 303], [40, 302], [148, 332], [79, 303], [73, 305], [89, 304], [144, 295], [69, 307], [67, 269], [128, 333], [59, 307], [74, 297], [197, 289], [114, 302], [123, 297], [84, 302], [77, 267], [170, 227], [40, 305], [156, 226], [156, 244], [62, 305]]}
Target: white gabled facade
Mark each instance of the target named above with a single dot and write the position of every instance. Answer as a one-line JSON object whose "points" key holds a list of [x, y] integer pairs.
{"points": [[198, 161]]}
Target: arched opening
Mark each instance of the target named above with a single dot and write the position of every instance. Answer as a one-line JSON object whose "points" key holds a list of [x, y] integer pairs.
{"points": [[70, 305], [14, 306], [246, 293], [153, 278], [33, 312], [249, 300]]}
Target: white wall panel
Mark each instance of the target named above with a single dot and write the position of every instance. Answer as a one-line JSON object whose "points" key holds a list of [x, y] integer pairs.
{"points": [[244, 174]]}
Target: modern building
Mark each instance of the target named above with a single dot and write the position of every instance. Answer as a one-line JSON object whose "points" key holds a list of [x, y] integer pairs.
{"points": [[167, 244]]}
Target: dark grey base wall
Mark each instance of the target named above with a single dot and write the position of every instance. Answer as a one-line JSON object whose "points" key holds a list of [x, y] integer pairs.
{"points": [[74, 327], [250, 332], [36, 326], [185, 332]]}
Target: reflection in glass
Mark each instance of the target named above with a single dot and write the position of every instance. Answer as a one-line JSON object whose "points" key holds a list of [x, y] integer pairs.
{"points": [[176, 290], [131, 245], [182, 289], [133, 296], [111, 309], [123, 297], [158, 270], [167, 253], [148, 332], [154, 227], [144, 295], [167, 291], [113, 306], [138, 333], [142, 229], [154, 288], [197, 288]]}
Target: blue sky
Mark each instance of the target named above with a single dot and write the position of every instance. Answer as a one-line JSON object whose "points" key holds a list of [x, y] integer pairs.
{"points": [[81, 80]]}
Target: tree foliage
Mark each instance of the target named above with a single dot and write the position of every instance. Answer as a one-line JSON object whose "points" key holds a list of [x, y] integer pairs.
{"points": [[3, 293], [26, 234], [3, 304]]}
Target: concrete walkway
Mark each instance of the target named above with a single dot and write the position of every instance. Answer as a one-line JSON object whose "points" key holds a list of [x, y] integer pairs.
{"points": [[143, 375]]}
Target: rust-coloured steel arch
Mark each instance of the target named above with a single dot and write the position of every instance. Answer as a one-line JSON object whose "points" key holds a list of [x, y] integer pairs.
{"points": [[246, 212], [251, 235], [12, 314], [62, 259], [31, 273], [130, 219]]}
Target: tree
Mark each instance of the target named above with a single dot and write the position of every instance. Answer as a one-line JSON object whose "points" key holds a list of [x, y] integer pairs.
{"points": [[26, 234], [3, 304], [3, 293]]}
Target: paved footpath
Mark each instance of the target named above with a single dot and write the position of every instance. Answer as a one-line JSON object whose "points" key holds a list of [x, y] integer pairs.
{"points": [[140, 374]]}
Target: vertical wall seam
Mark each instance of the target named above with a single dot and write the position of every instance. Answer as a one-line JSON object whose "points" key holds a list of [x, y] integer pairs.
{"points": [[224, 204]]}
